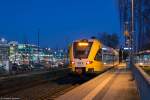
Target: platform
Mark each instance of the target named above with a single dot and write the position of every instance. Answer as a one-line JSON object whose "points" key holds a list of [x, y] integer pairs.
{"points": [[113, 85]]}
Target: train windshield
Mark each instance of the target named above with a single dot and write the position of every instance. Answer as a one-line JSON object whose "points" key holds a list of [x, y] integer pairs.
{"points": [[81, 49]]}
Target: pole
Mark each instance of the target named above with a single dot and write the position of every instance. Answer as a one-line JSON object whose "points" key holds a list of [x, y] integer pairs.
{"points": [[132, 31], [122, 55], [132, 16], [132, 38]]}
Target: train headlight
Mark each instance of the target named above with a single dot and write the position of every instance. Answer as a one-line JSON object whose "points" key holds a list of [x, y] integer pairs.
{"points": [[72, 62], [89, 62]]}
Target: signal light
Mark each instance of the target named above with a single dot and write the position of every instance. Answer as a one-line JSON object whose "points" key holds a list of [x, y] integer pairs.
{"points": [[89, 62], [141, 64]]}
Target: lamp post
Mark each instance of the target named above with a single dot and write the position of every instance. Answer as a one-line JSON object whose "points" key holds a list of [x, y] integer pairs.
{"points": [[132, 11], [132, 31]]}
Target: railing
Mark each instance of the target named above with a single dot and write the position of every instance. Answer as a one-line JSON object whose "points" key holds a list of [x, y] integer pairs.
{"points": [[143, 82]]}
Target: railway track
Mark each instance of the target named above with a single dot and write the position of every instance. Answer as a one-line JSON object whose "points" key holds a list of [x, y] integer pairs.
{"points": [[47, 89]]}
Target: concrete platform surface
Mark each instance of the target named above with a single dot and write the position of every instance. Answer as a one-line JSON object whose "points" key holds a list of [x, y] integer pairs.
{"points": [[112, 85]]}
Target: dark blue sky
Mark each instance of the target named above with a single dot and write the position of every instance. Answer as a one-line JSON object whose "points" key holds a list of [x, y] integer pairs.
{"points": [[60, 21]]}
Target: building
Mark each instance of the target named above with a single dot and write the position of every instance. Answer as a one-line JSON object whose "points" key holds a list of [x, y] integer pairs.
{"points": [[29, 54], [13, 51], [4, 55], [136, 23]]}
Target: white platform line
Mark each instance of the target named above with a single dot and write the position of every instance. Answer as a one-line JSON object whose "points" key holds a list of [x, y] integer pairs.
{"points": [[93, 93]]}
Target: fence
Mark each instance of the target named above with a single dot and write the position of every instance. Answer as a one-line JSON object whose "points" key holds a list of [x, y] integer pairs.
{"points": [[143, 82]]}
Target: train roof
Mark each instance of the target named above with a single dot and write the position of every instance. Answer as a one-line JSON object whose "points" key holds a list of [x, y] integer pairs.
{"points": [[88, 40], [104, 47], [107, 49]]}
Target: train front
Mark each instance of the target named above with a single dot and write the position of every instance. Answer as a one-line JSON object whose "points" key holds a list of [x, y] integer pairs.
{"points": [[79, 56]]}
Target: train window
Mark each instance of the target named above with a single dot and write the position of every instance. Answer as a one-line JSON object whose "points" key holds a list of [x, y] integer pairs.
{"points": [[106, 58], [98, 56], [81, 51]]}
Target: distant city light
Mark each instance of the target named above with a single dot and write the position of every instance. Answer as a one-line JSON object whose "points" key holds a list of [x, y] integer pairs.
{"points": [[3, 40], [21, 46], [24, 53]]}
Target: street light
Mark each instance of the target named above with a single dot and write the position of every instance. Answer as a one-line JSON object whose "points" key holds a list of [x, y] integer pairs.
{"points": [[132, 31]]}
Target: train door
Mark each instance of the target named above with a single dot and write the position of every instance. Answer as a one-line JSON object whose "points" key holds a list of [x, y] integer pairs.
{"points": [[98, 61]]}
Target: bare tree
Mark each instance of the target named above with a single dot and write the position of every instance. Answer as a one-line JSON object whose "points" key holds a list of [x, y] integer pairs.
{"points": [[111, 40]]}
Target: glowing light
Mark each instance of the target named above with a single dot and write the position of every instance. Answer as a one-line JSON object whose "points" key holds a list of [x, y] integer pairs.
{"points": [[72, 62], [83, 44], [141, 64], [89, 62], [105, 63], [127, 48], [104, 48], [3, 39]]}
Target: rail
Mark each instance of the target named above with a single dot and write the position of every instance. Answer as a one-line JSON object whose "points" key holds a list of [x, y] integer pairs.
{"points": [[15, 83]]}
